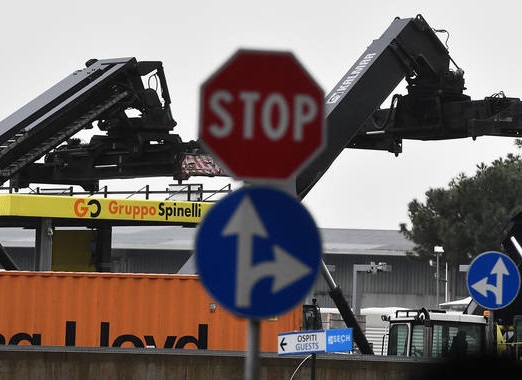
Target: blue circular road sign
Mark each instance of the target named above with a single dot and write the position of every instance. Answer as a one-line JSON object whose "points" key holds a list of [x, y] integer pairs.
{"points": [[493, 280], [258, 252]]}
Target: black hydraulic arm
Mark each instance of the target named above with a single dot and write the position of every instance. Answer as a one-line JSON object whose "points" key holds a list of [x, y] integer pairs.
{"points": [[59, 113], [102, 92], [433, 118], [349, 318], [408, 48], [435, 107], [132, 145]]}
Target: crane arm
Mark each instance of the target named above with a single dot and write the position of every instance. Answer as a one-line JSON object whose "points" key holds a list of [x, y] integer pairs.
{"points": [[435, 108], [128, 101]]}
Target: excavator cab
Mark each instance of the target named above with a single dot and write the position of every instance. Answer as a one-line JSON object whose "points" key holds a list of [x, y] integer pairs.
{"points": [[435, 334]]}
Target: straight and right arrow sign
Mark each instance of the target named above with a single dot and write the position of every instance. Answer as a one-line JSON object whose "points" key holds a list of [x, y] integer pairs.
{"points": [[258, 252], [493, 280]]}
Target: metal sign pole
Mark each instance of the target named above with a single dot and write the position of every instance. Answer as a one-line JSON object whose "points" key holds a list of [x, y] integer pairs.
{"points": [[252, 360]]}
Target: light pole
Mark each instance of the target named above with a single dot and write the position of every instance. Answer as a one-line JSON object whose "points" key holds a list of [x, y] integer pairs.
{"points": [[446, 294], [438, 250]]}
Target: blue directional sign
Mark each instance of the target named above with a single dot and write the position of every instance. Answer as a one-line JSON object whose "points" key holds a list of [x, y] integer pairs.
{"points": [[301, 342], [339, 340], [493, 280], [258, 252], [315, 341]]}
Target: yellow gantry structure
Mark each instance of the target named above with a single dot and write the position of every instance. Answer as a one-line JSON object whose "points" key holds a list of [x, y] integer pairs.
{"points": [[88, 249], [90, 209]]}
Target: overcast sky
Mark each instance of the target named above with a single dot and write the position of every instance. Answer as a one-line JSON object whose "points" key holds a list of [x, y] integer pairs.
{"points": [[47, 40]]}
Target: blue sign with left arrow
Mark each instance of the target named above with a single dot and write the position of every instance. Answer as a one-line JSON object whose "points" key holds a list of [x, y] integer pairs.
{"points": [[258, 252], [315, 341], [493, 280]]}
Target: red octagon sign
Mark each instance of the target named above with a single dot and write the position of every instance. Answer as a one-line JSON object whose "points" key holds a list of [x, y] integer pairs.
{"points": [[261, 115]]}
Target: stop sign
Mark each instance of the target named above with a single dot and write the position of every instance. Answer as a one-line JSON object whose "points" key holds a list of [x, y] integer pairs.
{"points": [[261, 115]]}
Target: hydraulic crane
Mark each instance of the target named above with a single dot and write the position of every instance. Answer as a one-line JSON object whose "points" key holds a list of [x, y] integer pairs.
{"points": [[435, 108], [111, 94]]}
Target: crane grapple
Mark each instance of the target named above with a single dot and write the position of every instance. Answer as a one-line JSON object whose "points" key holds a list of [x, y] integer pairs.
{"points": [[135, 122]]}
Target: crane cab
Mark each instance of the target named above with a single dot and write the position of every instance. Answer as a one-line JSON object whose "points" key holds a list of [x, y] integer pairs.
{"points": [[435, 334]]}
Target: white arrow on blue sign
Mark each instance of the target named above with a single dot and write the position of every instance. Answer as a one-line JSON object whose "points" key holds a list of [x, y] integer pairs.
{"points": [[258, 252], [493, 280]]}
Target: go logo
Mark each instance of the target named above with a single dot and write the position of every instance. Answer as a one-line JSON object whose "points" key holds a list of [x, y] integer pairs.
{"points": [[81, 208]]}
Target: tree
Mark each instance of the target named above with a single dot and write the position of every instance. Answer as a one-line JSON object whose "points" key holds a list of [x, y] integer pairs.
{"points": [[468, 217]]}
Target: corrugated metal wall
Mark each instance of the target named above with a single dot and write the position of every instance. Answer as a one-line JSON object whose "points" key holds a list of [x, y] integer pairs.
{"points": [[148, 261], [410, 283]]}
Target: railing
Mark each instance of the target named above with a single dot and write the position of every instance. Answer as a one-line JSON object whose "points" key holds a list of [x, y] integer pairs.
{"points": [[180, 192]]}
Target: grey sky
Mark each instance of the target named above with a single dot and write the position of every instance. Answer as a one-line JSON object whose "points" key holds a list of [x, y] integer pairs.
{"points": [[45, 41]]}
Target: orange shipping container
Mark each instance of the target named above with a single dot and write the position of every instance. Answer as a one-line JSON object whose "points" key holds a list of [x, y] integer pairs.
{"points": [[124, 310]]}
